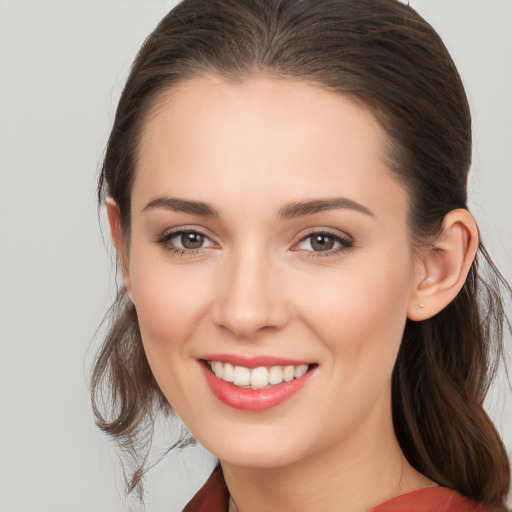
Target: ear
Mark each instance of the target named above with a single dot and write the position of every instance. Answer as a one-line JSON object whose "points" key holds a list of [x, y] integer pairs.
{"points": [[443, 267], [114, 220]]}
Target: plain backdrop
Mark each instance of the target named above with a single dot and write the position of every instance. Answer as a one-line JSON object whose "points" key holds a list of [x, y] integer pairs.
{"points": [[62, 67]]}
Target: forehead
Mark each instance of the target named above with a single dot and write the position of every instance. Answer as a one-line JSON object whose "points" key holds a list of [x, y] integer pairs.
{"points": [[210, 137], [295, 108]]}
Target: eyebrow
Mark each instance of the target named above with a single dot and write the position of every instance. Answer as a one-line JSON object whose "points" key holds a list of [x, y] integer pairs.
{"points": [[182, 205], [300, 208], [289, 211]]}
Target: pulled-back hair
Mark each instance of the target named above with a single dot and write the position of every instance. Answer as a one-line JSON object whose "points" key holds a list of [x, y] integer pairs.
{"points": [[384, 56]]}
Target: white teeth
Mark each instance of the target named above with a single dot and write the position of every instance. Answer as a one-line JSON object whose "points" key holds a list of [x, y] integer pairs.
{"points": [[228, 373], [299, 370], [275, 375], [257, 378], [242, 376], [288, 373], [217, 368]]}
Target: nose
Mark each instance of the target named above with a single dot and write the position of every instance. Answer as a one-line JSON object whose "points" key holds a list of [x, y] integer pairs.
{"points": [[250, 298]]}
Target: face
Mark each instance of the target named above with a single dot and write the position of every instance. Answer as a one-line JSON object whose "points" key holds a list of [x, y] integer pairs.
{"points": [[271, 267]]}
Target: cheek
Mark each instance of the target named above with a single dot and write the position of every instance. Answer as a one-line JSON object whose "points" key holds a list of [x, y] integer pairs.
{"points": [[169, 299], [360, 311], [169, 306]]}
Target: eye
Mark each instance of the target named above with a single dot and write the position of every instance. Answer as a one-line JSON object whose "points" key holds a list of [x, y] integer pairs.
{"points": [[184, 241], [189, 240], [324, 242]]}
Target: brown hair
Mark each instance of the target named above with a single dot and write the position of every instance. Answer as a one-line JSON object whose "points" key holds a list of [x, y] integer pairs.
{"points": [[383, 55]]}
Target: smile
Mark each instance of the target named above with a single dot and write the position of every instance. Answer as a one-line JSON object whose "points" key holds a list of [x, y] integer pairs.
{"points": [[256, 378], [255, 386]]}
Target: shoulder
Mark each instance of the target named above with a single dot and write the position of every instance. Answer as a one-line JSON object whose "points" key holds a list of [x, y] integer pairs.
{"points": [[214, 495], [432, 499]]}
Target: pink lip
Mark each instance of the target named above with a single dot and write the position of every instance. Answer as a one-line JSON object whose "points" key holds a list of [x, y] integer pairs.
{"points": [[253, 362], [252, 399]]}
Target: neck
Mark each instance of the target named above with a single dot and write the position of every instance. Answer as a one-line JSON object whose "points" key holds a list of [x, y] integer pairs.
{"points": [[354, 476]]}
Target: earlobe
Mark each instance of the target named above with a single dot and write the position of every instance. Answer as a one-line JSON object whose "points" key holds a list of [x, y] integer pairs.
{"points": [[114, 220], [444, 266]]}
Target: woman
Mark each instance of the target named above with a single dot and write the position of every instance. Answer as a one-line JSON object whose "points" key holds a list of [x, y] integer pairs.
{"points": [[285, 183]]}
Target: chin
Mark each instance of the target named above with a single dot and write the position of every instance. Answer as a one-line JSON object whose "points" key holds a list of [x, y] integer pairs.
{"points": [[256, 449]]}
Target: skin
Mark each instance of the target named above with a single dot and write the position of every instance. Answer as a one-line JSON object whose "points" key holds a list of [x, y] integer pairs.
{"points": [[258, 287]]}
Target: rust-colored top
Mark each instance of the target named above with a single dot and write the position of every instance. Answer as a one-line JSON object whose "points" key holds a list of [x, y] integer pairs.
{"points": [[214, 497]]}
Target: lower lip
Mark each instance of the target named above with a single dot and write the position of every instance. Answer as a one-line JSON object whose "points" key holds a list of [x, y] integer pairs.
{"points": [[253, 399]]}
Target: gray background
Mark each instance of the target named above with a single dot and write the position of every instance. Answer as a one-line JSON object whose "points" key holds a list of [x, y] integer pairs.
{"points": [[62, 67]]}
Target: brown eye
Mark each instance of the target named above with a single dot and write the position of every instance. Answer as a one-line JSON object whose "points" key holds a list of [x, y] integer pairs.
{"points": [[192, 240], [322, 242], [184, 241]]}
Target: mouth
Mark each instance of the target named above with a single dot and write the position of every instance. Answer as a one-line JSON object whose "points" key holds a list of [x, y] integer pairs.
{"points": [[255, 386], [261, 377]]}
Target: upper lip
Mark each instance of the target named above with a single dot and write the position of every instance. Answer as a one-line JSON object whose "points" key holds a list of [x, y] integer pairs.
{"points": [[255, 361]]}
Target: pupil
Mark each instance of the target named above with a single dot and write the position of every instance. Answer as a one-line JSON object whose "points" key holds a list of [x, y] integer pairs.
{"points": [[322, 243], [192, 240]]}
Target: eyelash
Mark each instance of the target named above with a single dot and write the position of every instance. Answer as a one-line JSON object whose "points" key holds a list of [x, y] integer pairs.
{"points": [[165, 242], [345, 243]]}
